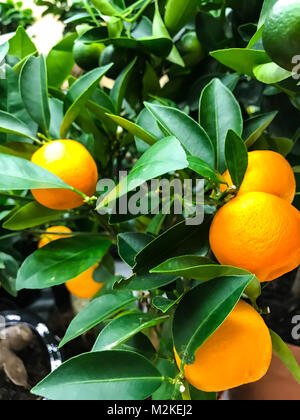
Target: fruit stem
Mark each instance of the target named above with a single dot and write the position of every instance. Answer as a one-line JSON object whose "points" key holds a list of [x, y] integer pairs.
{"points": [[186, 395], [46, 139]]}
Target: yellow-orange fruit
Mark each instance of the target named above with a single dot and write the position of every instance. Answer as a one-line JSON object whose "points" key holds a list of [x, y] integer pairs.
{"points": [[82, 286], [51, 235], [238, 353], [71, 162], [267, 172], [258, 232]]}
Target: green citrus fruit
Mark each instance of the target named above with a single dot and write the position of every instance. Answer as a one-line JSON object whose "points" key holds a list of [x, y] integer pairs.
{"points": [[281, 33], [87, 56], [120, 57], [191, 49]]}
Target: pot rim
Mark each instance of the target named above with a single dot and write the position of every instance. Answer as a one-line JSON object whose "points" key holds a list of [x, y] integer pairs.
{"points": [[15, 317]]}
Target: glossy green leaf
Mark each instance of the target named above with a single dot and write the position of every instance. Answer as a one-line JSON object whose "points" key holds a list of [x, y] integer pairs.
{"points": [[280, 145], [178, 13], [8, 273], [219, 112], [285, 355], [20, 45], [139, 343], [241, 60], [134, 129], [130, 244], [192, 137], [31, 215], [119, 89], [167, 391], [180, 239], [203, 310], [102, 376], [163, 304], [267, 7], [154, 163], [78, 95], [160, 30], [197, 268], [202, 168], [236, 156], [34, 91], [60, 61], [124, 327], [12, 125], [20, 174], [18, 149], [255, 127], [97, 311], [105, 7], [60, 261], [270, 73], [144, 281]]}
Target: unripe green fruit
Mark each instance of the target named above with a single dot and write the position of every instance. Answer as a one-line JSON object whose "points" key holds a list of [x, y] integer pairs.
{"points": [[87, 55]]}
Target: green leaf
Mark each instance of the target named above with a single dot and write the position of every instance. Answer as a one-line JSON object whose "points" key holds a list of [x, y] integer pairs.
{"points": [[8, 273], [160, 30], [167, 391], [266, 9], [60, 61], [97, 311], [139, 343], [271, 73], [19, 149], [163, 304], [255, 127], [79, 94], [180, 239], [280, 145], [192, 137], [144, 281], [20, 174], [12, 125], [178, 13], [102, 376], [197, 268], [60, 261], [236, 156], [154, 163], [202, 168], [130, 244], [34, 91], [241, 60], [219, 112], [118, 92], [31, 215], [134, 129], [105, 7], [285, 355], [124, 327], [203, 310], [20, 45]]}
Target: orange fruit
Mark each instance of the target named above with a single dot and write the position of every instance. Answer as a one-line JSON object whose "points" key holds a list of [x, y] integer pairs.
{"points": [[46, 238], [258, 232], [82, 286], [70, 161], [267, 172], [238, 353]]}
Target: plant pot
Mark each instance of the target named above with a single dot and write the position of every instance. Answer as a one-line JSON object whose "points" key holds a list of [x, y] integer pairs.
{"points": [[278, 384], [40, 358]]}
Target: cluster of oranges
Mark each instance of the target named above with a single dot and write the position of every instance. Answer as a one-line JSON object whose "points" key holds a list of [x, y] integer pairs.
{"points": [[258, 231]]}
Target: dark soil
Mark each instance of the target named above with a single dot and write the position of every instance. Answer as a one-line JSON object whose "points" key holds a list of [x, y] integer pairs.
{"points": [[36, 361]]}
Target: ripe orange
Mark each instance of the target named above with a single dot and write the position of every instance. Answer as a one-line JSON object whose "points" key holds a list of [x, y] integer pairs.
{"points": [[82, 286], [70, 161], [267, 172], [258, 232], [46, 238], [238, 353]]}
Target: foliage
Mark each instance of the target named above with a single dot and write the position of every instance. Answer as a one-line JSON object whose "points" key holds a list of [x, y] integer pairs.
{"points": [[161, 118], [13, 14]]}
